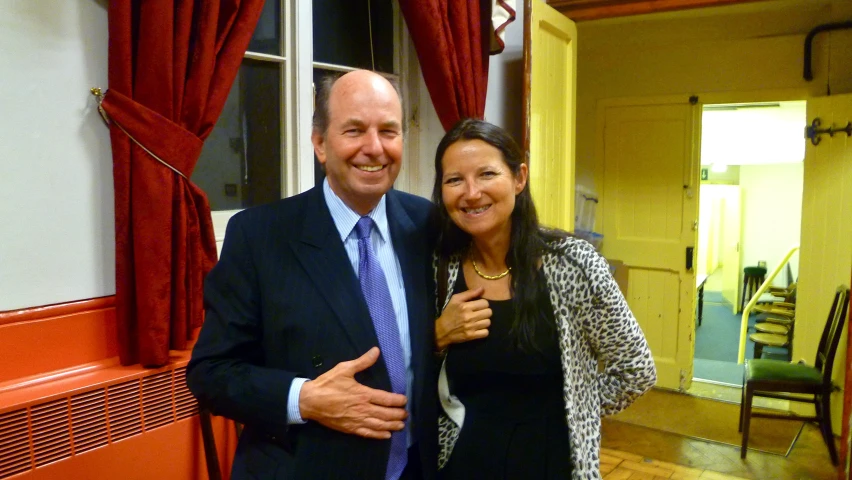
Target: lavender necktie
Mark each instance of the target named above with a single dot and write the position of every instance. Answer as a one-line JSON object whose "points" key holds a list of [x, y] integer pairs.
{"points": [[374, 286]]}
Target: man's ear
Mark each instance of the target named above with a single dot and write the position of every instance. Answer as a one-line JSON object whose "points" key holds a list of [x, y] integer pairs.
{"points": [[318, 140], [521, 179]]}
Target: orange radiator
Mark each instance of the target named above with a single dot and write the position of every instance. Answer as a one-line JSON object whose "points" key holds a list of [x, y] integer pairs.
{"points": [[87, 417]]}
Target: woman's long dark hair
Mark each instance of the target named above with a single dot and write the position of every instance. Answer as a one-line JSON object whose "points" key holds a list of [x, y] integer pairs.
{"points": [[527, 243]]}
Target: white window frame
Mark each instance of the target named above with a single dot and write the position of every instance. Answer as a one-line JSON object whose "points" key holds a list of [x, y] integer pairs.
{"points": [[297, 165]]}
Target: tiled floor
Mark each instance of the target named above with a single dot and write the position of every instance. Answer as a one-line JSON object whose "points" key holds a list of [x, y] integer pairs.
{"points": [[650, 454]]}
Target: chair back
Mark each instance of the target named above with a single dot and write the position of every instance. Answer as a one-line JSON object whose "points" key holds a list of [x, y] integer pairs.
{"points": [[831, 334]]}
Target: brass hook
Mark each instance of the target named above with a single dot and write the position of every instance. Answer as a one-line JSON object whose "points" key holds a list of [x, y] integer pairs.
{"points": [[99, 95]]}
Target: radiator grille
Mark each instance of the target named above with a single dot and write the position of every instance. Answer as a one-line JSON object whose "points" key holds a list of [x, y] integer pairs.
{"points": [[52, 431], [88, 421], [15, 453], [185, 404], [157, 401], [123, 410]]}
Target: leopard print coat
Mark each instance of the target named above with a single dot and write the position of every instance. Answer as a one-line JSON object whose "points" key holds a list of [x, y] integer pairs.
{"points": [[594, 323]]}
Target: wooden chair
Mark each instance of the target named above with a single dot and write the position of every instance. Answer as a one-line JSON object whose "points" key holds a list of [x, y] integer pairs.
{"points": [[211, 455], [753, 278], [773, 332], [214, 471], [811, 384], [777, 329], [762, 340]]}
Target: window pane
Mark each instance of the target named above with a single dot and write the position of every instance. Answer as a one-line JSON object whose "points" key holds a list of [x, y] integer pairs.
{"points": [[240, 165], [267, 34], [342, 33]]}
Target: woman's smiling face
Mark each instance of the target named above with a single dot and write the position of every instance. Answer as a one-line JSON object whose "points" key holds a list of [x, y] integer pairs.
{"points": [[479, 189]]}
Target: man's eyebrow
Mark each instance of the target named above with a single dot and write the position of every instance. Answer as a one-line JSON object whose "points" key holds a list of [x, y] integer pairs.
{"points": [[352, 122], [356, 122]]}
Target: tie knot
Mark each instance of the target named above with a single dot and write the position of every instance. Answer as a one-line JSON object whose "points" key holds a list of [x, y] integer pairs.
{"points": [[364, 227]]}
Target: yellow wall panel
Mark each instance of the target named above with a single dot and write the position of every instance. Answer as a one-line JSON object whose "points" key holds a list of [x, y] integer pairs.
{"points": [[826, 246]]}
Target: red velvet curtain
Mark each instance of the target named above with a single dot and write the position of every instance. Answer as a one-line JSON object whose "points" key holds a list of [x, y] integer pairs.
{"points": [[452, 39], [171, 66]]}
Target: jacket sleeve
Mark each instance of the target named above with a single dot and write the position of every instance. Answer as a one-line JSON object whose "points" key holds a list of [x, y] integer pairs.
{"points": [[227, 373], [617, 339]]}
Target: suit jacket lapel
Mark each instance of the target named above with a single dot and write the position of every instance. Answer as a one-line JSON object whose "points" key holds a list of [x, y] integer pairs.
{"points": [[321, 253], [410, 247]]}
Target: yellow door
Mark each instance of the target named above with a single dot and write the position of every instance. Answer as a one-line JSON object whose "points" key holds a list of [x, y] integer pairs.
{"points": [[649, 214], [825, 257], [731, 251], [551, 61]]}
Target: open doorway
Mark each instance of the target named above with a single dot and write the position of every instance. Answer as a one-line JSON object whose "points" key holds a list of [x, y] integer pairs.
{"points": [[750, 206]]}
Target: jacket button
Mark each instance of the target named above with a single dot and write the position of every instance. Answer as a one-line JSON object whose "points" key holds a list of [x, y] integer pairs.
{"points": [[317, 361]]}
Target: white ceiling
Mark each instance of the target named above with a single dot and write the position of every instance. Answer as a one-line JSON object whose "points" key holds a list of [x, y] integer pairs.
{"points": [[753, 134]]}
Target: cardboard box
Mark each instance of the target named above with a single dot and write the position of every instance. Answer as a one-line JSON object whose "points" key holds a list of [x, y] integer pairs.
{"points": [[619, 273]]}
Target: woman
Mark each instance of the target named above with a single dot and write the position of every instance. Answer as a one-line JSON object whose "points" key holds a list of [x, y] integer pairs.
{"points": [[527, 314]]}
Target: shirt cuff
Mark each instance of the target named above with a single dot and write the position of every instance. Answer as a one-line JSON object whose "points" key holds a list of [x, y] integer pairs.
{"points": [[294, 414]]}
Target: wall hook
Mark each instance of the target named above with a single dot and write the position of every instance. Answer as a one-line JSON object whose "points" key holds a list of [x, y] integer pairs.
{"points": [[813, 131]]}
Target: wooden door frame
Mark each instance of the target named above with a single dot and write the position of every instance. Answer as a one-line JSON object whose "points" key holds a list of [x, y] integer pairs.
{"points": [[680, 99], [579, 10]]}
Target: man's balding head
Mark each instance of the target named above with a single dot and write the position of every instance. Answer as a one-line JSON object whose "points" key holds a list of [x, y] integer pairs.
{"points": [[357, 138], [327, 85]]}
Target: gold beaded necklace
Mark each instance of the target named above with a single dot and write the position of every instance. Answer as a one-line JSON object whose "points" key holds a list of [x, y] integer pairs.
{"points": [[489, 277]]}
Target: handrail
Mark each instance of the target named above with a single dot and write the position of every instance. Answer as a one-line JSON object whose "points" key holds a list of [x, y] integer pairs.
{"points": [[753, 302]]}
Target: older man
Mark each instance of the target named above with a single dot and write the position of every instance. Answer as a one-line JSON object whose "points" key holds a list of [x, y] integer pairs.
{"points": [[318, 334]]}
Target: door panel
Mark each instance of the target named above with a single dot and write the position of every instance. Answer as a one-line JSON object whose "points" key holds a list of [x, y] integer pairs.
{"points": [[649, 203], [551, 63]]}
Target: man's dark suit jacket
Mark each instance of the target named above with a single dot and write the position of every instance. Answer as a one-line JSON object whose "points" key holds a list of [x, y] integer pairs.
{"points": [[283, 302]]}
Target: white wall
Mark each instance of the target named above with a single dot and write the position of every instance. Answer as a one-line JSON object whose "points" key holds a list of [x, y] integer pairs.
{"points": [[772, 212], [503, 103], [710, 212], [431, 132], [56, 191], [503, 106]]}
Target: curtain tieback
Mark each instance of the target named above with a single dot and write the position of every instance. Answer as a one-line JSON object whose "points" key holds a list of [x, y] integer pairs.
{"points": [[171, 141]]}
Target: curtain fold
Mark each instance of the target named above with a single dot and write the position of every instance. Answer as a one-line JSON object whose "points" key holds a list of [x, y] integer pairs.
{"points": [[171, 66], [452, 40], [502, 14]]}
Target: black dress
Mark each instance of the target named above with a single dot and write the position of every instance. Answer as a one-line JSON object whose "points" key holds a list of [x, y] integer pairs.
{"points": [[514, 425]]}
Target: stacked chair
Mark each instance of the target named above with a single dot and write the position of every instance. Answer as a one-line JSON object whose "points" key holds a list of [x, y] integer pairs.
{"points": [[798, 382], [753, 278], [775, 327]]}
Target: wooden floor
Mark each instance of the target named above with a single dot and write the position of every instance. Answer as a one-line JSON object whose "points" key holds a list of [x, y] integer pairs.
{"points": [[618, 465], [638, 453]]}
